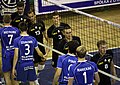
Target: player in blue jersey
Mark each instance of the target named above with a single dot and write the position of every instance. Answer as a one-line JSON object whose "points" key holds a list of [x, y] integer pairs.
{"points": [[23, 57], [64, 63], [7, 35], [84, 71]]}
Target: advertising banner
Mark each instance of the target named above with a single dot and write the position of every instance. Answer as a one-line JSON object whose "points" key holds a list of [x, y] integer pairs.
{"points": [[42, 7]]}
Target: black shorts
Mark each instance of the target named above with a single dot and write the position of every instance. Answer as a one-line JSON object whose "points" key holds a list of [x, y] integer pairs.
{"points": [[37, 58], [54, 59]]}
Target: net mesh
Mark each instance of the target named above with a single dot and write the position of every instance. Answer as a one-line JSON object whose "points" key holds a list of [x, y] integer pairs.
{"points": [[90, 30]]}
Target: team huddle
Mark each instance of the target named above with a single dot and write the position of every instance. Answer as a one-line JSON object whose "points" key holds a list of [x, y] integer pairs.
{"points": [[23, 58]]}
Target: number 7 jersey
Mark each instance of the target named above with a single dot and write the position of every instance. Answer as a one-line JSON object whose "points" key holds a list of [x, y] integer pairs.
{"points": [[7, 35]]}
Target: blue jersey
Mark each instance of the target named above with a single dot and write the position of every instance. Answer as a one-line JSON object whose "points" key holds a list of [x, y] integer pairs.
{"points": [[25, 45], [7, 35], [83, 72], [64, 63]]}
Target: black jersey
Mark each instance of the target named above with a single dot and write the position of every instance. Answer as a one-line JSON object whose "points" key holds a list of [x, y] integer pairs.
{"points": [[15, 14], [55, 33], [63, 44], [16, 19], [104, 64], [36, 30]]}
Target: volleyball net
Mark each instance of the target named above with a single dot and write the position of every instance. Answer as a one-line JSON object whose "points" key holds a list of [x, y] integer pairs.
{"points": [[90, 29]]}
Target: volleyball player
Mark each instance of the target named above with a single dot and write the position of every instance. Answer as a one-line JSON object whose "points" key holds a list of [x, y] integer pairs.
{"points": [[37, 30], [20, 15], [104, 60], [84, 71], [55, 33], [23, 57], [7, 35], [1, 73], [67, 32], [64, 63]]}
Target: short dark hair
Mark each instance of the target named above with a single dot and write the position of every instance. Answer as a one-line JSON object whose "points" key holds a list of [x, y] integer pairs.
{"points": [[6, 18], [81, 51], [66, 26], [30, 11], [55, 13], [20, 4], [72, 45], [101, 42], [23, 26]]}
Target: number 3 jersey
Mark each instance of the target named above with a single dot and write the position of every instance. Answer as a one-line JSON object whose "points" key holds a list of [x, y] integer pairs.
{"points": [[56, 33], [25, 45], [7, 35]]}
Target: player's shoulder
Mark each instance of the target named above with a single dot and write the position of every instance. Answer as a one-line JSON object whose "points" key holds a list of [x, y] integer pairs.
{"points": [[91, 62], [31, 37], [51, 27], [1, 29], [63, 56], [109, 51], [18, 38], [14, 14], [76, 37], [63, 41], [15, 28], [95, 57], [62, 24]]}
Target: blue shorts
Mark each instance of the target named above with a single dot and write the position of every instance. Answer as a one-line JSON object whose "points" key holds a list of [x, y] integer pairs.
{"points": [[7, 61], [60, 83], [25, 72]]}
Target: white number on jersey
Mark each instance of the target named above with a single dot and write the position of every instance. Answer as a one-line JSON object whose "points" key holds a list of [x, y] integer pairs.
{"points": [[37, 32], [59, 36], [69, 68], [106, 66], [85, 77], [27, 48], [10, 41]]}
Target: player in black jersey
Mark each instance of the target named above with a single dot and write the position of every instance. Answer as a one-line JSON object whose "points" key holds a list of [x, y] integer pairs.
{"points": [[55, 33], [104, 61], [20, 15], [37, 30], [63, 44]]}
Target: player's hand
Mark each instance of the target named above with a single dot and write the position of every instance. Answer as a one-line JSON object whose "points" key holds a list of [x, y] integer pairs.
{"points": [[44, 57], [14, 73], [113, 81]]}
